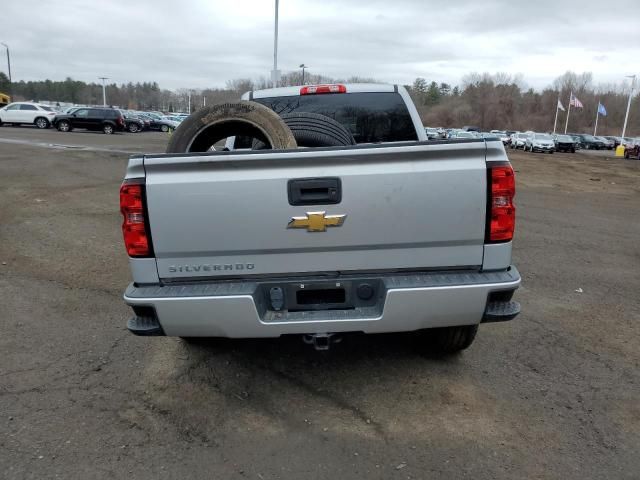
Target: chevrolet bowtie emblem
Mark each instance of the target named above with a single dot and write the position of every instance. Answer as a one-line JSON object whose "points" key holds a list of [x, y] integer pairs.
{"points": [[317, 221]]}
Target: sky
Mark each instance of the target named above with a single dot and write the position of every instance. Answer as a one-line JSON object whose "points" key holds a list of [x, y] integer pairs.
{"points": [[199, 44]]}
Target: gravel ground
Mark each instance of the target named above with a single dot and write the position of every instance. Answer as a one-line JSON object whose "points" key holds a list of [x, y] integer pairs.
{"points": [[552, 394]]}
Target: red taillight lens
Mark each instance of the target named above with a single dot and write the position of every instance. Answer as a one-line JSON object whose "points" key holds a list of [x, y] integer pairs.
{"points": [[136, 238], [501, 212], [317, 89]]}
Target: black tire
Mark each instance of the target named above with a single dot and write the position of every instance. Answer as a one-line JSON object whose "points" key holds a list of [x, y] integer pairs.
{"points": [[107, 129], [202, 129], [164, 128], [450, 340], [626, 155], [41, 123], [314, 130], [64, 126], [573, 150], [133, 127]]}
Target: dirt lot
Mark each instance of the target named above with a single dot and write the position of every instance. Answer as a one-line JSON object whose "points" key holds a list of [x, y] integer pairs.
{"points": [[553, 394]]}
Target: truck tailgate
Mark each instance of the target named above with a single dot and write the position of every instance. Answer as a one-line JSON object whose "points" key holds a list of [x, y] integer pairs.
{"points": [[410, 206]]}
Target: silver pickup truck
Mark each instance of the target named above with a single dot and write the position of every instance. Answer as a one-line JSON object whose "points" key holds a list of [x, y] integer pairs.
{"points": [[392, 234]]}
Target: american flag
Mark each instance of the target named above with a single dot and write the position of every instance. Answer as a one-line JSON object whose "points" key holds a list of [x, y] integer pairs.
{"points": [[574, 102]]}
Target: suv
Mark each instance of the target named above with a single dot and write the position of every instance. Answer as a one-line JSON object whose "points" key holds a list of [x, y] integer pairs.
{"points": [[108, 120], [589, 142], [41, 116], [565, 143], [518, 140], [539, 142]]}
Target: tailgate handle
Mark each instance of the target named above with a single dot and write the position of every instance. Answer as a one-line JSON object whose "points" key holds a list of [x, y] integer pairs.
{"points": [[314, 191]]}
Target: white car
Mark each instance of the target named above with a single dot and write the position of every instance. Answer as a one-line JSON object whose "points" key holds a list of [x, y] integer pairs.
{"points": [[27, 112]]}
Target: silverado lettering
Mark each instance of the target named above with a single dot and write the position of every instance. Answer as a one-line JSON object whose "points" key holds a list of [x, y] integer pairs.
{"points": [[210, 268]]}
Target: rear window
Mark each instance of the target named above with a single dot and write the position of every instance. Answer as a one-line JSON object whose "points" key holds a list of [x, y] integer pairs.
{"points": [[370, 117], [48, 109]]}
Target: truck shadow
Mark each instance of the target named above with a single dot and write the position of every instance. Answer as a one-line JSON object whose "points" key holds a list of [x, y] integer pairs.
{"points": [[273, 386], [350, 347]]}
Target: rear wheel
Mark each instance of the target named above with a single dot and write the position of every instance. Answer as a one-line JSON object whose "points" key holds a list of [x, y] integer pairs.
{"points": [[450, 340], [64, 126], [134, 127], [164, 128], [41, 122], [107, 128], [626, 155]]}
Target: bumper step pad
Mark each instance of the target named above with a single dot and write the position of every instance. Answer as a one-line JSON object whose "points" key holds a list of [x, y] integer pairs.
{"points": [[145, 326], [501, 311]]}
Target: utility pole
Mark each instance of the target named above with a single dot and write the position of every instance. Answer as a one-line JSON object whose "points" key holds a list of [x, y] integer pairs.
{"points": [[626, 116], [274, 73], [104, 91], [303, 66], [8, 65]]}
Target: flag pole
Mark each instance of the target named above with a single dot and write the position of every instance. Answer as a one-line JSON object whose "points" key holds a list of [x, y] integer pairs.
{"points": [[595, 129], [566, 125], [555, 122]]}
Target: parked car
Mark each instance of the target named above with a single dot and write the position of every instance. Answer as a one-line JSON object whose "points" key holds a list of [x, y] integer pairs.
{"points": [[576, 138], [518, 140], [22, 113], [432, 133], [462, 134], [608, 143], [616, 140], [158, 122], [502, 135], [177, 119], [589, 142], [145, 120], [540, 142], [107, 120], [133, 124], [565, 143], [632, 149]]}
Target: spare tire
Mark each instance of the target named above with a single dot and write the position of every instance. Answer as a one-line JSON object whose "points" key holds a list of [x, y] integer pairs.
{"points": [[202, 129], [314, 130]]}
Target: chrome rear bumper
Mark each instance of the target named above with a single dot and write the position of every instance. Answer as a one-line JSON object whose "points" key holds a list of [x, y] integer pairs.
{"points": [[407, 303]]}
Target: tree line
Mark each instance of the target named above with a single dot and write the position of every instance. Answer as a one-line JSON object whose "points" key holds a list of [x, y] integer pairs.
{"points": [[501, 101], [489, 101]]}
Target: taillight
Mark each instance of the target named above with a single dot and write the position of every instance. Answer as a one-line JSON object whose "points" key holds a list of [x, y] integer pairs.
{"points": [[120, 120], [316, 89], [501, 212], [137, 240]]}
